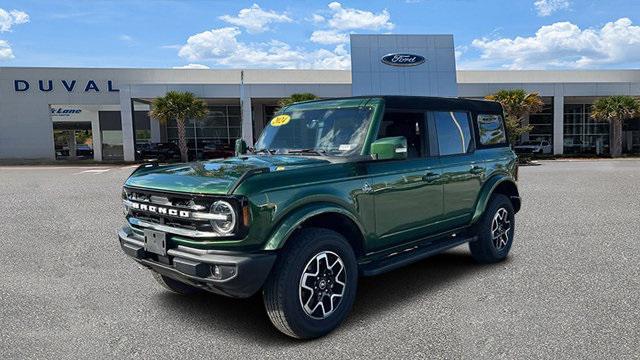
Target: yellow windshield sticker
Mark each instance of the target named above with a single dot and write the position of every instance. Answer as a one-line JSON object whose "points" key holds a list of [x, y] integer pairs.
{"points": [[280, 120]]}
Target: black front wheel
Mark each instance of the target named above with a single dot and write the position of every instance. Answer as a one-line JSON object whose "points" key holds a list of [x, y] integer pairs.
{"points": [[313, 285], [495, 231]]}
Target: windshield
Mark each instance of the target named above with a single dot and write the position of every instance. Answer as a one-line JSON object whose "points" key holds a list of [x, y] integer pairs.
{"points": [[319, 128]]}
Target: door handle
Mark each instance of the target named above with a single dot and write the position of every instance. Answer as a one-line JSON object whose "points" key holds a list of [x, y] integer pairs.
{"points": [[475, 169], [431, 177]]}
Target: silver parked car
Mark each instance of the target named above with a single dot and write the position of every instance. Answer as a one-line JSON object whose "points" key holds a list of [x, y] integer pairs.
{"points": [[534, 147]]}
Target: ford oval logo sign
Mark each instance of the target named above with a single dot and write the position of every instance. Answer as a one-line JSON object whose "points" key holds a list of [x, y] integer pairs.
{"points": [[403, 59]]}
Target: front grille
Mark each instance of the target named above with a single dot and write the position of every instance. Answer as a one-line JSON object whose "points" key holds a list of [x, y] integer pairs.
{"points": [[187, 202]]}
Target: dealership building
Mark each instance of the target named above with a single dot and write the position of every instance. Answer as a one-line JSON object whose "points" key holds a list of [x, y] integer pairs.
{"points": [[100, 113]]}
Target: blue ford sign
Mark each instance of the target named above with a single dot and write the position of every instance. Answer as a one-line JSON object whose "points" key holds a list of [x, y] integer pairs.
{"points": [[398, 59]]}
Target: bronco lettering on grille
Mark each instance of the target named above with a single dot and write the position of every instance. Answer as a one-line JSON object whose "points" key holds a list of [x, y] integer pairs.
{"points": [[160, 210]]}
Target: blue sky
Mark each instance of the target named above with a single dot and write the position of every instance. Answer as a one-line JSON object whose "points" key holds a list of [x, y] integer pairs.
{"points": [[489, 34]]}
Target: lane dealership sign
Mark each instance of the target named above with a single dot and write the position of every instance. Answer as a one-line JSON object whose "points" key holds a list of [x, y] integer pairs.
{"points": [[65, 85], [59, 111], [403, 59]]}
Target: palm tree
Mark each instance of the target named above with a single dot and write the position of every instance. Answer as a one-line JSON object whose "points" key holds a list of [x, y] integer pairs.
{"points": [[178, 106], [517, 104], [294, 98], [615, 110]]}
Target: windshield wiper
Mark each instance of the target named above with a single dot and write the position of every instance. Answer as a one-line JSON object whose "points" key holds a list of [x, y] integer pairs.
{"points": [[320, 152], [266, 151]]}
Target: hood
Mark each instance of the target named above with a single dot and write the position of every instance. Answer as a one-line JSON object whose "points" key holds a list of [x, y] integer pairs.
{"points": [[213, 177]]}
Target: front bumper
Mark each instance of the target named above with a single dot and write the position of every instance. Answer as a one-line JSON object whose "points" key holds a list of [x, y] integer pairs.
{"points": [[242, 274]]}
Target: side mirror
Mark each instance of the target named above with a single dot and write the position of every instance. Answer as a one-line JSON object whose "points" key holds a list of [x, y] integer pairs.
{"points": [[389, 148], [241, 147]]}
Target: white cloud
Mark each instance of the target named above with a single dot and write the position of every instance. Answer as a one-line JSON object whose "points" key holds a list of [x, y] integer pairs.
{"points": [[5, 51], [126, 38], [210, 44], [565, 45], [341, 20], [192, 66], [255, 19], [317, 18], [459, 51], [351, 19], [339, 58], [10, 18], [329, 37], [222, 47], [7, 20], [548, 7]]}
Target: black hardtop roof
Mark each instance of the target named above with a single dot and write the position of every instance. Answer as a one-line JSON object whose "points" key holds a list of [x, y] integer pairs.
{"points": [[441, 103], [398, 102]]}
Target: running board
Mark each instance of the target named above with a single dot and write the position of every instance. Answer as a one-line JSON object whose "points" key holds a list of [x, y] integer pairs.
{"points": [[411, 255]]}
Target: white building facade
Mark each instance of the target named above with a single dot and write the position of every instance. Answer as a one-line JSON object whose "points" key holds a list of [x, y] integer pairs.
{"points": [[102, 114]]}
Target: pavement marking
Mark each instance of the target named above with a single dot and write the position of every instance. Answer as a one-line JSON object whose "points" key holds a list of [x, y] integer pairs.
{"points": [[21, 167], [92, 171]]}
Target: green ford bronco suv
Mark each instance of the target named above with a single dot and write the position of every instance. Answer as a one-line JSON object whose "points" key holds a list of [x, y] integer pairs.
{"points": [[334, 189]]}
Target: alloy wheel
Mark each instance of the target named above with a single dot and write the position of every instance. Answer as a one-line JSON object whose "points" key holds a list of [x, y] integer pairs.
{"points": [[500, 228], [322, 285]]}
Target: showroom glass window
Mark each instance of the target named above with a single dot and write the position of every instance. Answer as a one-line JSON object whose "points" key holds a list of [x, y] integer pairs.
{"points": [[583, 134], [542, 123], [454, 132], [212, 136]]}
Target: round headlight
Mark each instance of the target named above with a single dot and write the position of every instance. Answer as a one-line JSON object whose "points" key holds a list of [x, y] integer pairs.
{"points": [[223, 226]]}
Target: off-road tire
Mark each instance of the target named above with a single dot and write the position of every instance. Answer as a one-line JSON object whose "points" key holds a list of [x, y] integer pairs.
{"points": [[282, 294], [175, 285], [484, 249]]}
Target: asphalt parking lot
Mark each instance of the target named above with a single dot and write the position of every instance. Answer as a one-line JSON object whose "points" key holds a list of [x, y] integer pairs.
{"points": [[570, 289]]}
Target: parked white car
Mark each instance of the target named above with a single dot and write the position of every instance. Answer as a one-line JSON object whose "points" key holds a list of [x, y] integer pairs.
{"points": [[534, 147]]}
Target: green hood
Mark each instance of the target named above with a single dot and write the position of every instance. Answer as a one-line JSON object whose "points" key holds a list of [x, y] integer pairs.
{"points": [[213, 177]]}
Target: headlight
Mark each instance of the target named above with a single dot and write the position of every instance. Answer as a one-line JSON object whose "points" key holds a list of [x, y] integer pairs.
{"points": [[223, 226], [125, 208]]}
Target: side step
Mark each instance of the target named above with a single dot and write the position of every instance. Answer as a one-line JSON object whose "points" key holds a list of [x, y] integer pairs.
{"points": [[411, 255]]}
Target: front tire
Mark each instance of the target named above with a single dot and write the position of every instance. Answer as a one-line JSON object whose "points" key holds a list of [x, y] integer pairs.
{"points": [[313, 285], [495, 231]]}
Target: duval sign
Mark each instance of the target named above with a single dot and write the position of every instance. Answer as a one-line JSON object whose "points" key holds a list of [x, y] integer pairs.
{"points": [[398, 59], [65, 85]]}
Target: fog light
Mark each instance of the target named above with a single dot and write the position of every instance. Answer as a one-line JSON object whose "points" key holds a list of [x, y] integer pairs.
{"points": [[222, 272], [217, 274]]}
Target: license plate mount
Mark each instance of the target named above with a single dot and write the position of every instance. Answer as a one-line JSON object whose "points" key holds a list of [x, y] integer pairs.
{"points": [[155, 242]]}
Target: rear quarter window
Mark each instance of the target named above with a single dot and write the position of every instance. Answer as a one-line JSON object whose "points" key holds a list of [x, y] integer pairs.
{"points": [[491, 130]]}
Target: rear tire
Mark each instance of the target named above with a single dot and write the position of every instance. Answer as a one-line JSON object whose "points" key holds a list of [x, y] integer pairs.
{"points": [[313, 285], [495, 231], [175, 285]]}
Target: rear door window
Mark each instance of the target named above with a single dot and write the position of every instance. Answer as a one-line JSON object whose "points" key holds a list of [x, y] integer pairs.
{"points": [[454, 132]]}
